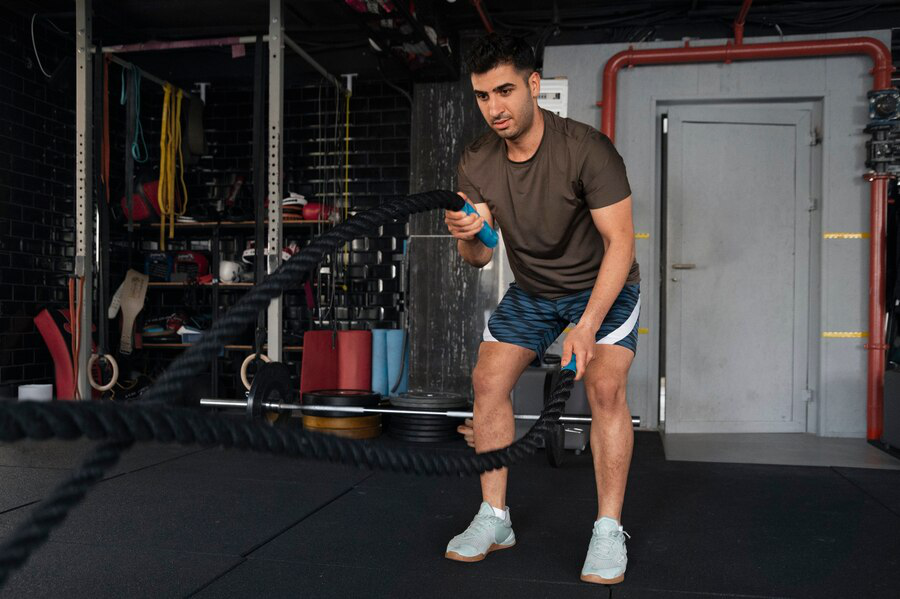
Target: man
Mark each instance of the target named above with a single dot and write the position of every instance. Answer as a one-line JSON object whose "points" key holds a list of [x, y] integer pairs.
{"points": [[557, 190]]}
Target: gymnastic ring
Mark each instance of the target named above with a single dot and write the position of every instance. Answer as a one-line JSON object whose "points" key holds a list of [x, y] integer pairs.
{"points": [[246, 363], [115, 372]]}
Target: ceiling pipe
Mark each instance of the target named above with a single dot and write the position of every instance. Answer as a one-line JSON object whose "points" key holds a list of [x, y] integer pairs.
{"points": [[739, 22], [482, 12], [881, 79]]}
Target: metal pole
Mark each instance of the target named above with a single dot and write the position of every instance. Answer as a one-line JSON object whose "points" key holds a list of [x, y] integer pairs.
{"points": [[282, 407], [148, 76], [84, 194], [276, 100], [312, 62]]}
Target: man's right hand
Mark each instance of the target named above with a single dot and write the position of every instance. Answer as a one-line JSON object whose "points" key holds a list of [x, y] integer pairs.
{"points": [[461, 225]]}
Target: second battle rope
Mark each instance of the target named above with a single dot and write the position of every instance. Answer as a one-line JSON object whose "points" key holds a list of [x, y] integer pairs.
{"points": [[157, 416]]}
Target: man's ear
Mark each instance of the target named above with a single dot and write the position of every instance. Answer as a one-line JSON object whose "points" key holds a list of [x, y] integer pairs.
{"points": [[534, 82]]}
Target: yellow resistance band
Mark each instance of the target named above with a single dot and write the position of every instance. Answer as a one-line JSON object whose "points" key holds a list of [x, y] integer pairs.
{"points": [[169, 148]]}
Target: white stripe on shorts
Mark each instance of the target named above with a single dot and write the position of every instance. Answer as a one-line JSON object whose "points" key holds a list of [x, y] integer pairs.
{"points": [[626, 328]]}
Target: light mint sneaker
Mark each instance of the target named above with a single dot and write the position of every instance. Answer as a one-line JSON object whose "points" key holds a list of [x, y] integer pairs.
{"points": [[486, 533], [606, 557]]}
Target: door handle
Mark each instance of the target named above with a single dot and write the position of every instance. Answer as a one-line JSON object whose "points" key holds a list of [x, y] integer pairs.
{"points": [[684, 266]]}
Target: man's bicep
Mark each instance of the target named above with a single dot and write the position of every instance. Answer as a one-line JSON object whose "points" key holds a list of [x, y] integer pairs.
{"points": [[614, 222]]}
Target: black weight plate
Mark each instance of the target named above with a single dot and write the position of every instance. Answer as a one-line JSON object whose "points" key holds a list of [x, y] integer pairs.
{"points": [[423, 434], [555, 444], [422, 417], [428, 415], [424, 440], [426, 395], [433, 407], [272, 384], [342, 397], [422, 427]]}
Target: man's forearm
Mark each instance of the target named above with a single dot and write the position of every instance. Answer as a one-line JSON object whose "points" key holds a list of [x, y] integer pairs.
{"points": [[614, 271], [474, 252]]}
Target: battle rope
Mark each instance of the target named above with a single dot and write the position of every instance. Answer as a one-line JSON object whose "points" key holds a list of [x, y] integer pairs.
{"points": [[154, 418]]}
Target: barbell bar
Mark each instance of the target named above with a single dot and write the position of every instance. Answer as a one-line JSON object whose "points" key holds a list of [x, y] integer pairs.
{"points": [[290, 407]]}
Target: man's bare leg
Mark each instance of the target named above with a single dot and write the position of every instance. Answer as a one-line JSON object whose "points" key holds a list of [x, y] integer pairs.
{"points": [[499, 367], [612, 434]]}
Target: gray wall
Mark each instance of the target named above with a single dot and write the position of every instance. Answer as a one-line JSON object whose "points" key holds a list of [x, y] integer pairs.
{"points": [[840, 283]]}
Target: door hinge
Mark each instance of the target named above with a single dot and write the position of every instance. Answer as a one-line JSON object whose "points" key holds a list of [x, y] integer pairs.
{"points": [[809, 396], [815, 138], [813, 205]]}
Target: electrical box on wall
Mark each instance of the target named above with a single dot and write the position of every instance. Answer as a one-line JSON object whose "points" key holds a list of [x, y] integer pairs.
{"points": [[554, 96]]}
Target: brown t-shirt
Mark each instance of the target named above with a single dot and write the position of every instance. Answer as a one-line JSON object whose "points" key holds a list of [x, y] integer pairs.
{"points": [[542, 205]]}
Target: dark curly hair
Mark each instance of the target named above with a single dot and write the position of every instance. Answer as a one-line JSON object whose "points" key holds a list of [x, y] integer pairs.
{"points": [[495, 49]]}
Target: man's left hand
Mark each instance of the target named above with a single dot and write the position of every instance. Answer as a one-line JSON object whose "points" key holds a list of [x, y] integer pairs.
{"points": [[579, 342]]}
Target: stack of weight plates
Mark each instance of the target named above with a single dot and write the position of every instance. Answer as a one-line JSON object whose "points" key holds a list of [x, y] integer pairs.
{"points": [[342, 424], [425, 428]]}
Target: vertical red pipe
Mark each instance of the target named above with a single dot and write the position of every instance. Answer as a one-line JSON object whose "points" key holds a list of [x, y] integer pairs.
{"points": [[876, 345], [739, 22], [881, 75], [485, 20]]}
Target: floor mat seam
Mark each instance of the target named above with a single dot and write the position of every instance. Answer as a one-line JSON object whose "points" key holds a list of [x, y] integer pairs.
{"points": [[207, 584], [865, 492], [262, 544]]}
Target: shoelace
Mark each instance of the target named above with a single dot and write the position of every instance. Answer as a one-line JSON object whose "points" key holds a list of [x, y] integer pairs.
{"points": [[604, 544], [480, 525]]}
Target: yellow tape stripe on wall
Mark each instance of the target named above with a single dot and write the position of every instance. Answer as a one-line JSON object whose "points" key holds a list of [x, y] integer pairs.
{"points": [[844, 334], [642, 235], [845, 235]]}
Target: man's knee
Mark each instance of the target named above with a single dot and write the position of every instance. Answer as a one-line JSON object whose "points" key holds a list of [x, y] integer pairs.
{"points": [[488, 386], [605, 393]]}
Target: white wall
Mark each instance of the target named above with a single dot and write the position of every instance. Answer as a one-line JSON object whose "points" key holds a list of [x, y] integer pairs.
{"points": [[838, 366]]}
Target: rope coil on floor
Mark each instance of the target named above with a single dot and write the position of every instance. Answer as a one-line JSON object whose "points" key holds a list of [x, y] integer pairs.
{"points": [[159, 418]]}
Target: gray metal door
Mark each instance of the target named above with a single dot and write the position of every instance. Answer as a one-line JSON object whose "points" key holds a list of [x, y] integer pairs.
{"points": [[737, 269]]}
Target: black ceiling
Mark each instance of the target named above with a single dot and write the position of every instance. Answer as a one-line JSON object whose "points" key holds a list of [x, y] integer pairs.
{"points": [[339, 36]]}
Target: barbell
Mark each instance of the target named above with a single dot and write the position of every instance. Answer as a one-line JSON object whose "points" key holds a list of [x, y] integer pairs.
{"points": [[271, 389]]}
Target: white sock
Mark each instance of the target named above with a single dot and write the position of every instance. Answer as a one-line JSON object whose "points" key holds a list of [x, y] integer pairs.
{"points": [[608, 518], [500, 513]]}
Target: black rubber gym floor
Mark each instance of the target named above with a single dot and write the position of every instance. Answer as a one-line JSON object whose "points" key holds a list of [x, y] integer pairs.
{"points": [[177, 521]]}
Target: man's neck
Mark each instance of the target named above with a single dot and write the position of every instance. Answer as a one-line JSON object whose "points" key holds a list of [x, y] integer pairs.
{"points": [[524, 147]]}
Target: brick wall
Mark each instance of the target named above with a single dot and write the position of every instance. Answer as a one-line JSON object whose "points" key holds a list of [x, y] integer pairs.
{"points": [[37, 132]]}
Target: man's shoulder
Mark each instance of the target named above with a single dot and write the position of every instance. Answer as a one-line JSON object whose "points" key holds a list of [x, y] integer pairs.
{"points": [[574, 131], [485, 143]]}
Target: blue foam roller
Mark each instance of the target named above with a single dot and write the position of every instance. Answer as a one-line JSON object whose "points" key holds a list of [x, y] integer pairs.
{"points": [[397, 360], [379, 361]]}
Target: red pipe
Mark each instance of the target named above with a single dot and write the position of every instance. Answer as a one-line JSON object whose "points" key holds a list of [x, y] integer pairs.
{"points": [[881, 79], [739, 22], [485, 20], [876, 344]]}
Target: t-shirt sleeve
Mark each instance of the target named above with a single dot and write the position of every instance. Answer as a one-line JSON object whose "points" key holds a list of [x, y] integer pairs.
{"points": [[603, 176], [465, 184]]}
